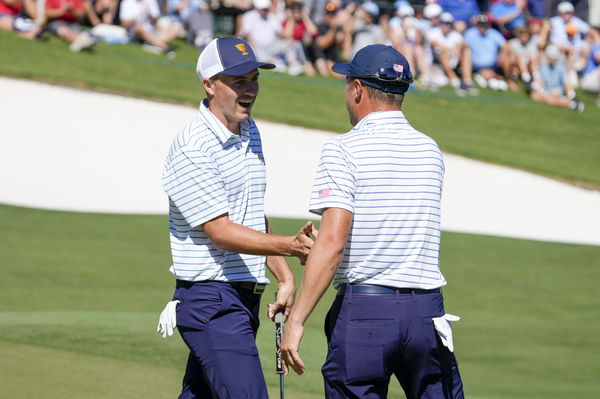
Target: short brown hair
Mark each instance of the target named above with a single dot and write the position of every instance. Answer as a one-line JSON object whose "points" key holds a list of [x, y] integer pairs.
{"points": [[383, 97]]}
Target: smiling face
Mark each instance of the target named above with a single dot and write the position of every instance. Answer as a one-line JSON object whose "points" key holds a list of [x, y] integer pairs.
{"points": [[230, 98]]}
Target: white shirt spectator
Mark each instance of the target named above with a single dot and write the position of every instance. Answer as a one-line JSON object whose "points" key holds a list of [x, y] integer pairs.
{"points": [[558, 33], [139, 10], [260, 32]]}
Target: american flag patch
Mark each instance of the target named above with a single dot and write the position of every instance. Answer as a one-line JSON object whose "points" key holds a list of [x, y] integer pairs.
{"points": [[398, 68], [324, 192]]}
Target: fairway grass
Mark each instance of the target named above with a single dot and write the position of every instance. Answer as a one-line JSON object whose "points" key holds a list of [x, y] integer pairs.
{"points": [[81, 293], [501, 128]]}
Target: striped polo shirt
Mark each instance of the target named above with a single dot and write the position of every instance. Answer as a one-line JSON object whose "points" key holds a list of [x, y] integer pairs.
{"points": [[211, 171], [389, 176]]}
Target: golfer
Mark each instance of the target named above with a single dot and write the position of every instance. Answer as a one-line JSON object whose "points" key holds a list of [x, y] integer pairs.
{"points": [[214, 176], [378, 189]]}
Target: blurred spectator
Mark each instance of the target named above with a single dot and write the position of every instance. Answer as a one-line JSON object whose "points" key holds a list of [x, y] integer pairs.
{"points": [[590, 80], [406, 36], [452, 53], [195, 20], [577, 51], [552, 87], [509, 15], [489, 54], [363, 30], [301, 31], [536, 8], [329, 40], [12, 19], [63, 20], [558, 24], [140, 18], [523, 54], [264, 32], [101, 11], [463, 12]]}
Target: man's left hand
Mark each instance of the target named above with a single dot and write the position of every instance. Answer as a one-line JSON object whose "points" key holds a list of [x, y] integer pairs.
{"points": [[167, 322]]}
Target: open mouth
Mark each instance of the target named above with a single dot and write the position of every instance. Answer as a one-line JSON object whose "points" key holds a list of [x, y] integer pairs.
{"points": [[245, 104]]}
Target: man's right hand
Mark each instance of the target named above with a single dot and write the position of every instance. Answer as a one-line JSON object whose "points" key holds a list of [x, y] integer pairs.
{"points": [[303, 242]]}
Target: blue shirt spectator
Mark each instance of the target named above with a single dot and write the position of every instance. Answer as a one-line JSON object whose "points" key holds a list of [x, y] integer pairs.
{"points": [[485, 44], [461, 10], [593, 60], [553, 73], [536, 8], [509, 13]]}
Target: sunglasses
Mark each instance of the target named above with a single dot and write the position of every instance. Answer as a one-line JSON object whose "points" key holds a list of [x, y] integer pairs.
{"points": [[388, 75]]}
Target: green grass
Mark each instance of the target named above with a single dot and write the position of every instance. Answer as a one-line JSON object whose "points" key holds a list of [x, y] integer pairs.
{"points": [[503, 128], [80, 296]]}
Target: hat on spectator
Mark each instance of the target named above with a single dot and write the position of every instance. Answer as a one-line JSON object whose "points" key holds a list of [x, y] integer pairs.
{"points": [[371, 8], [571, 29], [229, 56], [482, 19], [261, 4], [405, 10], [446, 18], [379, 66], [330, 8], [565, 7], [432, 10], [552, 51]]}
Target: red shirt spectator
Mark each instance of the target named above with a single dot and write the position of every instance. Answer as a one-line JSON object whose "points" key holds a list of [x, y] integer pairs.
{"points": [[9, 8], [73, 7]]}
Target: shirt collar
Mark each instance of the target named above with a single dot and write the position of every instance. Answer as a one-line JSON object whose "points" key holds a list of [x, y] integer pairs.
{"points": [[219, 129], [373, 117]]}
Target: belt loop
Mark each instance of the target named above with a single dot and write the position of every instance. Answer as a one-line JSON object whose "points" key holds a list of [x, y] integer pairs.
{"points": [[397, 295], [414, 296], [349, 292]]}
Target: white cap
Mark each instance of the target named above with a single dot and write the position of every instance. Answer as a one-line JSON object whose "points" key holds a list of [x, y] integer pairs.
{"points": [[406, 10], [261, 4], [447, 18], [432, 10], [552, 51], [371, 8], [564, 7]]}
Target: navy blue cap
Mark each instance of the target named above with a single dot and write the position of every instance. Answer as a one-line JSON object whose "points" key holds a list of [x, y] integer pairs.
{"points": [[230, 56], [379, 66]]}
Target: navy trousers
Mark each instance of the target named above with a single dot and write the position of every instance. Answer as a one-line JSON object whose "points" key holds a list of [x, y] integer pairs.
{"points": [[218, 322], [372, 337]]}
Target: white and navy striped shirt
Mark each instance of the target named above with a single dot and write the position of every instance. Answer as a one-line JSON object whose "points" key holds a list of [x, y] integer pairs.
{"points": [[390, 177], [211, 171]]}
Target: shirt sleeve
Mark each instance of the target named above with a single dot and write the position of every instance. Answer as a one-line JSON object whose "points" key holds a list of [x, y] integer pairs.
{"points": [[192, 182], [335, 182]]}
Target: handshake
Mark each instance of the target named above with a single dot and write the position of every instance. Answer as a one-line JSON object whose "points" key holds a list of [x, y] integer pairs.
{"points": [[298, 246]]}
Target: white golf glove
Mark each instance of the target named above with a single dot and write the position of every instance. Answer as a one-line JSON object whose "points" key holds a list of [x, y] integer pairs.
{"points": [[444, 330], [167, 321]]}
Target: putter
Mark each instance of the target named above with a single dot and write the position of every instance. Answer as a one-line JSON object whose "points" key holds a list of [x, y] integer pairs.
{"points": [[278, 361]]}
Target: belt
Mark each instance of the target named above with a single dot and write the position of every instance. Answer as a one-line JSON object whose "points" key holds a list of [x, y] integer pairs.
{"points": [[256, 288], [370, 289]]}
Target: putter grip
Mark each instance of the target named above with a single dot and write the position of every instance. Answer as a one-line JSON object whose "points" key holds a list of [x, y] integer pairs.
{"points": [[278, 335]]}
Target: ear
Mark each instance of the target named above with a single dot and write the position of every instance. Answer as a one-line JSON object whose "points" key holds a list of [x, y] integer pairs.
{"points": [[209, 86], [357, 91]]}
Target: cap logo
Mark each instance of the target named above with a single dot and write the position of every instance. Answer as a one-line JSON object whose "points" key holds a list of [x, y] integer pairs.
{"points": [[398, 68], [242, 48]]}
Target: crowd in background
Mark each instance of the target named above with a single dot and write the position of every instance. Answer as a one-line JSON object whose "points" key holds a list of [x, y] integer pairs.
{"points": [[548, 48]]}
